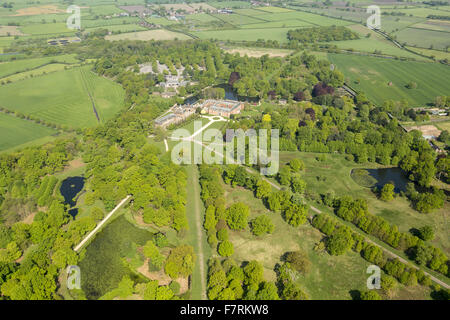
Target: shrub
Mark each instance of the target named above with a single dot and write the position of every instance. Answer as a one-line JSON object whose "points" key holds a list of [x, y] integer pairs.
{"points": [[225, 248], [261, 225], [175, 287]]}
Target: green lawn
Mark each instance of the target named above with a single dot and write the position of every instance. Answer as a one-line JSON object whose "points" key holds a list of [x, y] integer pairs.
{"points": [[330, 277], [15, 131], [335, 178], [62, 97], [424, 38], [279, 34], [194, 204], [46, 28], [9, 68], [375, 74]]}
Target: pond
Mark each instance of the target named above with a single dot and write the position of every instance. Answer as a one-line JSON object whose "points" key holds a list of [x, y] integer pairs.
{"points": [[70, 187], [379, 177]]}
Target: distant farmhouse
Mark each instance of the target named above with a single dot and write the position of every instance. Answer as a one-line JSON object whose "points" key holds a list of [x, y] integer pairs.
{"points": [[225, 11]]}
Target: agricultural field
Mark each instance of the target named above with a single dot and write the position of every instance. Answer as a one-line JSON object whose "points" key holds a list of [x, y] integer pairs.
{"points": [[230, 4], [64, 97], [434, 25], [258, 52], [439, 55], [160, 34], [383, 79], [428, 39], [279, 34], [375, 42], [53, 67], [120, 28], [13, 67], [15, 131], [236, 19]]}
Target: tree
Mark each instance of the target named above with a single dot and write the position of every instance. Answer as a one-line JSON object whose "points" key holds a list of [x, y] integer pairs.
{"points": [[237, 216], [298, 184], [151, 251], [150, 290], [164, 293], [295, 214], [175, 287], [180, 262], [426, 233], [284, 176], [261, 225], [225, 248], [253, 273], [387, 192], [388, 284], [267, 291], [340, 241], [125, 288], [370, 295], [263, 189], [299, 261], [297, 165], [222, 234]]}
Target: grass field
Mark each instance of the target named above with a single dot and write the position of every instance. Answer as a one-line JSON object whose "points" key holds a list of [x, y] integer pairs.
{"points": [[311, 18], [258, 52], [436, 53], [159, 34], [236, 19], [46, 28], [424, 38], [13, 67], [119, 28], [62, 97], [435, 25], [193, 205], [279, 34], [53, 67], [336, 171], [277, 24], [15, 131], [374, 42], [330, 277], [375, 74]]}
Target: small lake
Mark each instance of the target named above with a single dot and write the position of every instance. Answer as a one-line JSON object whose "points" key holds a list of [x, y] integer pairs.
{"points": [[70, 187], [379, 177]]}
